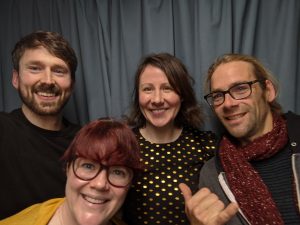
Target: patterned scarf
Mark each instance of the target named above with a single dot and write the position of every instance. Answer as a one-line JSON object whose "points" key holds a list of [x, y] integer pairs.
{"points": [[251, 193]]}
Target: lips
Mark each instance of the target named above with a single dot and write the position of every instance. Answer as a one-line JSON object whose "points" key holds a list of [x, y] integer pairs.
{"points": [[158, 110], [46, 94], [234, 117], [47, 90], [94, 200]]}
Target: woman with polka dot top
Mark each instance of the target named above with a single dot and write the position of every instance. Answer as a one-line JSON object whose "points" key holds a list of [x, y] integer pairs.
{"points": [[166, 119]]}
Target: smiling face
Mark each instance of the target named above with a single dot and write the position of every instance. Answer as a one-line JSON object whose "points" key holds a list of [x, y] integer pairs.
{"points": [[248, 118], [158, 101], [92, 202], [43, 81]]}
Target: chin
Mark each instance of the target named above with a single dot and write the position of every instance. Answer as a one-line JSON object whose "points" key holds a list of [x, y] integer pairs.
{"points": [[93, 220]]}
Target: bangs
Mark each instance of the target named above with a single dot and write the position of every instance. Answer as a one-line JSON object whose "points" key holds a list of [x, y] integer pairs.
{"points": [[110, 144], [103, 149]]}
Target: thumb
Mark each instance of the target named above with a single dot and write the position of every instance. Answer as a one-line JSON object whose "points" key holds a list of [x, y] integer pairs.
{"points": [[186, 191]]}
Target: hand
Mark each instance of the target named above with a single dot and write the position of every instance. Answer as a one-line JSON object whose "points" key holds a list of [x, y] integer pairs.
{"points": [[205, 208]]}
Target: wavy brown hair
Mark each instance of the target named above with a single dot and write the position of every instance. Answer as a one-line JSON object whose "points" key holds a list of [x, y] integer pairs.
{"points": [[190, 112]]}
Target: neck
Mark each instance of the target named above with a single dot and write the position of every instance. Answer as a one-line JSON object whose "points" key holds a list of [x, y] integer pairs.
{"points": [[63, 216], [57, 218], [265, 128], [160, 135], [48, 122]]}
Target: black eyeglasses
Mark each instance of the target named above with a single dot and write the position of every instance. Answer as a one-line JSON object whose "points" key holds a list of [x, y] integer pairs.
{"points": [[118, 176], [237, 92]]}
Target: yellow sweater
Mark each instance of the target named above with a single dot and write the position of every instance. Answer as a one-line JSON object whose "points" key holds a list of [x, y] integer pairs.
{"points": [[40, 214]]}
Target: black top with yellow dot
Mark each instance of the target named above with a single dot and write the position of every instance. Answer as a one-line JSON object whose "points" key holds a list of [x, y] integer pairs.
{"points": [[155, 197]]}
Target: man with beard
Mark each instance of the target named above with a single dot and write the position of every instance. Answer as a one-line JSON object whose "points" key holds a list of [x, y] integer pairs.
{"points": [[35, 136], [251, 178]]}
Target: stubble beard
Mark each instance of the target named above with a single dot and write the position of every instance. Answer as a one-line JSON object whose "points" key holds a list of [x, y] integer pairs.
{"points": [[44, 108]]}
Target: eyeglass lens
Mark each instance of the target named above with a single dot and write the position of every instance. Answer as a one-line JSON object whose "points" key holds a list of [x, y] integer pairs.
{"points": [[86, 169], [238, 91]]}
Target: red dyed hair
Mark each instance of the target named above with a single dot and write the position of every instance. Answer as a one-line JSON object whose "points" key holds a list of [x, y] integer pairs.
{"points": [[106, 140]]}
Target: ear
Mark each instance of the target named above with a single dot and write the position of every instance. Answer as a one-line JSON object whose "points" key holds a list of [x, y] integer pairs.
{"points": [[15, 79], [270, 93], [67, 168]]}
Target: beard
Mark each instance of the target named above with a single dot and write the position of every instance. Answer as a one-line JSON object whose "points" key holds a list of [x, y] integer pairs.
{"points": [[44, 108]]}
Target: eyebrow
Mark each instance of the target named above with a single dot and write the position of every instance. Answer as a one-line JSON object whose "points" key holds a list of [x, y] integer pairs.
{"points": [[37, 62], [143, 84], [233, 84]]}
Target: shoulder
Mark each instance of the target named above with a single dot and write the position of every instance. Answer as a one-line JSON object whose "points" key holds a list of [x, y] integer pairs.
{"points": [[290, 116], [13, 114], [209, 168], [293, 123], [209, 176], [8, 121], [207, 138], [209, 179], [200, 133], [71, 126], [41, 212]]}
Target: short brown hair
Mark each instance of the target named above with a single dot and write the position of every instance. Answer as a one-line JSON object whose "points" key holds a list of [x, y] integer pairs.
{"points": [[190, 112], [53, 42], [259, 71]]}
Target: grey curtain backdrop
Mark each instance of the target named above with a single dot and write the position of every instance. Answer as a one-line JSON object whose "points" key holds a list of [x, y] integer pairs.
{"points": [[110, 37]]}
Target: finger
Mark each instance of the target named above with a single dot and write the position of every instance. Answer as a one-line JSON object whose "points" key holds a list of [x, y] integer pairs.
{"points": [[186, 191], [227, 213]]}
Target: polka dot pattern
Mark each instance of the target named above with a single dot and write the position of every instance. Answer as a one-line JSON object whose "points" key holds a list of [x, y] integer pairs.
{"points": [[155, 197]]}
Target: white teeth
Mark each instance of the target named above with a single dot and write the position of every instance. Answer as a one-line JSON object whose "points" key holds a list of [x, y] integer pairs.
{"points": [[93, 200], [46, 94], [234, 117], [158, 110]]}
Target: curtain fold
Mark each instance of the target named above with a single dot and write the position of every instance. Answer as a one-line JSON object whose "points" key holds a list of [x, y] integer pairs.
{"points": [[111, 36]]}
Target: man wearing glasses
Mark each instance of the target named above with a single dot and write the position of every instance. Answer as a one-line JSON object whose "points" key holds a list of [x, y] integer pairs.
{"points": [[250, 180]]}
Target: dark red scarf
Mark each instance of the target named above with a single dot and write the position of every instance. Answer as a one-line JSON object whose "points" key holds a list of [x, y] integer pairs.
{"points": [[251, 193]]}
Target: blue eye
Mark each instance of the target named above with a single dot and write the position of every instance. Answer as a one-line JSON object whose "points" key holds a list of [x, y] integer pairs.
{"points": [[240, 89], [87, 166], [118, 171]]}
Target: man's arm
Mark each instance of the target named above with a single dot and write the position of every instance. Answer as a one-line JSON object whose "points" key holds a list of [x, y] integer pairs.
{"points": [[205, 208]]}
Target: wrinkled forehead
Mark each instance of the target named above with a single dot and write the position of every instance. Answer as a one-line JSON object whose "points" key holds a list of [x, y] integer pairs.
{"points": [[228, 74]]}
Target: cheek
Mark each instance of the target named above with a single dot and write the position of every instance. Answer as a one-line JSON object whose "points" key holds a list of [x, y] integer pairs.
{"points": [[143, 100], [120, 196], [73, 184], [65, 83], [218, 111], [26, 82], [175, 101]]}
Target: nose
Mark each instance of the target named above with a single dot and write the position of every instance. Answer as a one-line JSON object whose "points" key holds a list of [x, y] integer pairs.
{"points": [[157, 97], [47, 77], [100, 182], [229, 101]]}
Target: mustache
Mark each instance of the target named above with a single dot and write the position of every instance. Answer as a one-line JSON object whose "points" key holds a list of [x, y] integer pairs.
{"points": [[47, 88]]}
